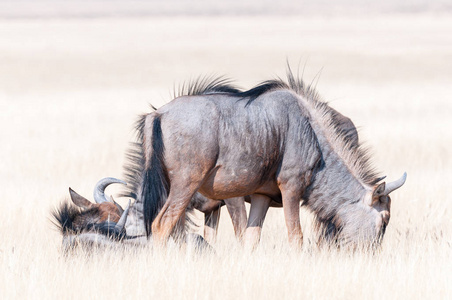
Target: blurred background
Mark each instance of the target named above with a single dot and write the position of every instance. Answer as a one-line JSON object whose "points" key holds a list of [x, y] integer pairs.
{"points": [[142, 8], [74, 75]]}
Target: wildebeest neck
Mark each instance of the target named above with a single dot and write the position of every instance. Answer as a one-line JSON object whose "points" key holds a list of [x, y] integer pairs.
{"points": [[343, 174], [332, 187]]}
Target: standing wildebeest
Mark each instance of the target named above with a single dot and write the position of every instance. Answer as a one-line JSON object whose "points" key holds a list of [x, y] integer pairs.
{"points": [[276, 142]]}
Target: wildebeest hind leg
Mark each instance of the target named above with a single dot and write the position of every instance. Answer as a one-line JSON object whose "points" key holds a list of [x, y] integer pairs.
{"points": [[172, 211]]}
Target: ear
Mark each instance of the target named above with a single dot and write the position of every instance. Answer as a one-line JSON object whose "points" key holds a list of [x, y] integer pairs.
{"points": [[79, 200], [379, 190], [376, 194]]}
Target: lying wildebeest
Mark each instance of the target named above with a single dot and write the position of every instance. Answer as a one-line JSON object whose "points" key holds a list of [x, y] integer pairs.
{"points": [[276, 142], [107, 217]]}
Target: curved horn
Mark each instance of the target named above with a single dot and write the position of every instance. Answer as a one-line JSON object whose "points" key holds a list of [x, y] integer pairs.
{"points": [[392, 186], [101, 185], [122, 221]]}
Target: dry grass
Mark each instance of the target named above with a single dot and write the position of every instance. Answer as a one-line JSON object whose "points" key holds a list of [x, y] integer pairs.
{"points": [[69, 93]]}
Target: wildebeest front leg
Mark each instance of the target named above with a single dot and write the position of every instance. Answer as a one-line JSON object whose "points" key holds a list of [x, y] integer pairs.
{"points": [[258, 210], [291, 204], [211, 225], [237, 211]]}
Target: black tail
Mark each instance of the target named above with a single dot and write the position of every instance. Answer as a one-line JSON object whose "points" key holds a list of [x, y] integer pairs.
{"points": [[146, 175], [155, 184]]}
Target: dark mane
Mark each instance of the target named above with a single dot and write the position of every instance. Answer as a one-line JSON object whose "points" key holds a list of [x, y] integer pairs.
{"points": [[63, 216], [262, 88], [206, 85]]}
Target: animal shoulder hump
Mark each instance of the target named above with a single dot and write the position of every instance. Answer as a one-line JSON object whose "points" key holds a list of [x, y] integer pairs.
{"points": [[280, 97], [189, 110]]}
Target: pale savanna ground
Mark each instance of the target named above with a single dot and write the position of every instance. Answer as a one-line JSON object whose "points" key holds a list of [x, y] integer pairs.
{"points": [[70, 90]]}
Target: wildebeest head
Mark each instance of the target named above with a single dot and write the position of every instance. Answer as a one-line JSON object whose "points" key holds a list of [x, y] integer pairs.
{"points": [[365, 223], [105, 216]]}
